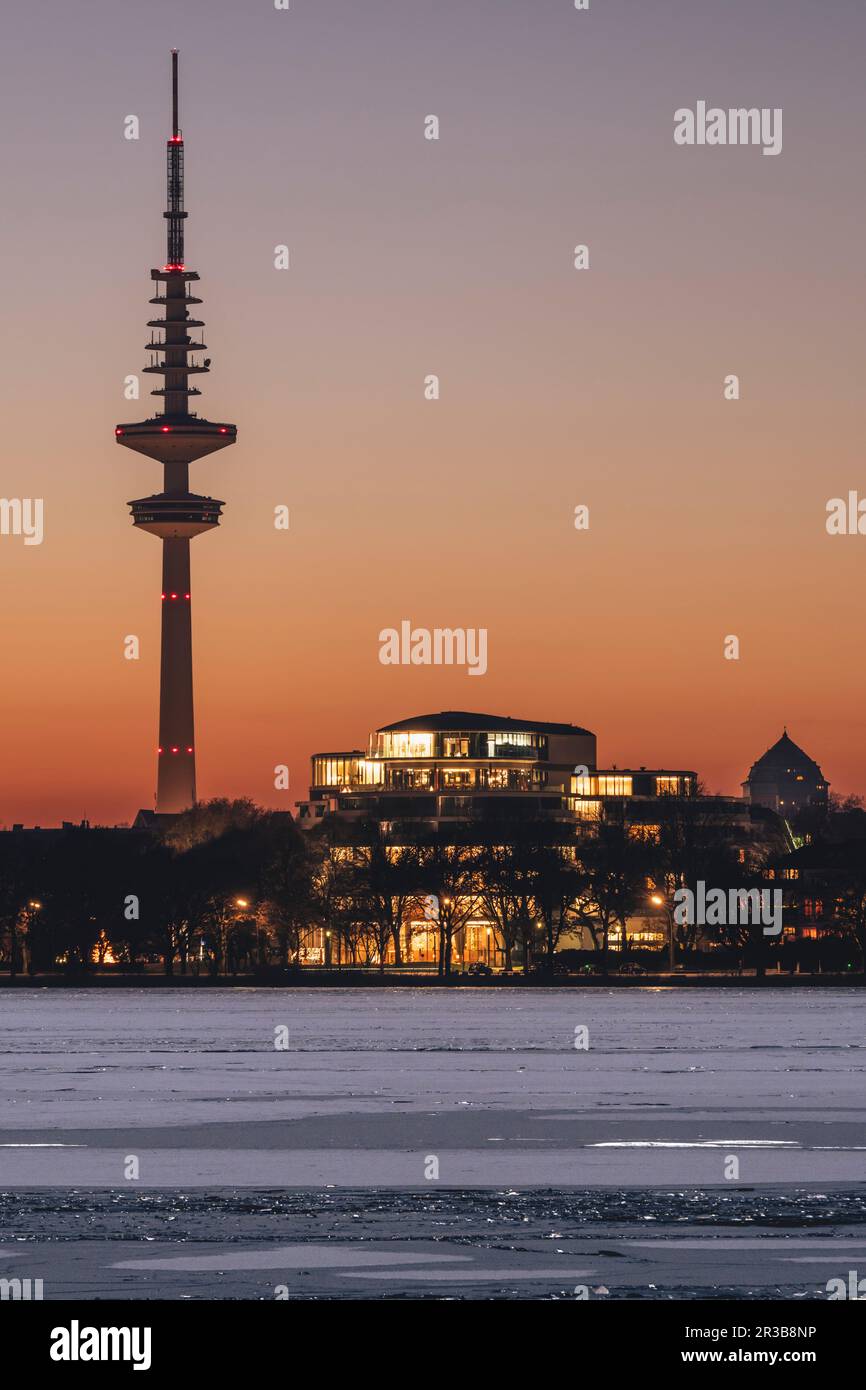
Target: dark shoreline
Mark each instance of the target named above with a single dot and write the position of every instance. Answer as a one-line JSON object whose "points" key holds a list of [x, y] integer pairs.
{"points": [[357, 979]]}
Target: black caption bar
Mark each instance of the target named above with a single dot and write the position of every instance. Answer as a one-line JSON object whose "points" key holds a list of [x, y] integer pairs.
{"points": [[152, 1338]]}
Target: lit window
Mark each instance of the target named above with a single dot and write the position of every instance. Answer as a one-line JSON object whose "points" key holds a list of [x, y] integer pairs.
{"points": [[458, 779], [509, 745], [667, 786], [647, 834], [614, 786], [406, 745]]}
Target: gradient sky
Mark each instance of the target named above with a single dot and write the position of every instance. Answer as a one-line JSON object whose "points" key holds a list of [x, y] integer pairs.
{"points": [[558, 387]]}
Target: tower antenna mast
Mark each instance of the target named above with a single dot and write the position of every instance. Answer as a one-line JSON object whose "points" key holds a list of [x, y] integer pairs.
{"points": [[175, 129], [175, 214]]}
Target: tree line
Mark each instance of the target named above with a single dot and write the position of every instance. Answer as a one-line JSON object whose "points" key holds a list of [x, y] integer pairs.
{"points": [[230, 887]]}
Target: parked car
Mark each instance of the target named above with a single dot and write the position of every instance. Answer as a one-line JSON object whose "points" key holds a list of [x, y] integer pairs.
{"points": [[631, 967], [478, 967]]}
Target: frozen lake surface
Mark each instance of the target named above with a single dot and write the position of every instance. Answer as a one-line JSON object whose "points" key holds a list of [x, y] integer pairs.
{"points": [[430, 1123]]}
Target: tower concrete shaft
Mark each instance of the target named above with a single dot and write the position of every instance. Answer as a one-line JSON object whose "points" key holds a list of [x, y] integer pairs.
{"points": [[176, 781], [175, 438]]}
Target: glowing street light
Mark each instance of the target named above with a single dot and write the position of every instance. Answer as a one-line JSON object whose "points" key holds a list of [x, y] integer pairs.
{"points": [[658, 901]]}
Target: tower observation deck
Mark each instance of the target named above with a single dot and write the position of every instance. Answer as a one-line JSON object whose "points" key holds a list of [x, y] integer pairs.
{"points": [[176, 437]]}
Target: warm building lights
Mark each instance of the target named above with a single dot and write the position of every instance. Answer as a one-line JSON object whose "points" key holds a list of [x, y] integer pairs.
{"points": [[667, 786], [614, 786]]}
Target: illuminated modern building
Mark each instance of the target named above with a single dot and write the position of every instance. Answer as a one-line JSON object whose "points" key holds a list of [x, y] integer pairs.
{"points": [[451, 766], [639, 790], [457, 766], [785, 779], [175, 438], [455, 770]]}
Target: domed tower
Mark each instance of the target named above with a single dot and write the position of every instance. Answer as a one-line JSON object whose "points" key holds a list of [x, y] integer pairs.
{"points": [[785, 779], [175, 438]]}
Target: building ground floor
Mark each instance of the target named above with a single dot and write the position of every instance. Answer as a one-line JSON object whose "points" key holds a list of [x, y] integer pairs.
{"points": [[478, 942]]}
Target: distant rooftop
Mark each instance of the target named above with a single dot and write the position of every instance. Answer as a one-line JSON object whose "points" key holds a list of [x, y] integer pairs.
{"points": [[463, 721], [785, 753]]}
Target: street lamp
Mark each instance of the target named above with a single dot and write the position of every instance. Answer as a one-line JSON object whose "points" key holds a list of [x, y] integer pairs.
{"points": [[244, 903], [228, 922], [658, 901], [28, 916]]}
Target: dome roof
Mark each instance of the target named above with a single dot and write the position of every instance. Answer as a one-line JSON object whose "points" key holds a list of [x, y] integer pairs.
{"points": [[784, 755]]}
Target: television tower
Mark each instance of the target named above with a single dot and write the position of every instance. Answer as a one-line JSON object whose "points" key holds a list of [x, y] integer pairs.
{"points": [[175, 438]]}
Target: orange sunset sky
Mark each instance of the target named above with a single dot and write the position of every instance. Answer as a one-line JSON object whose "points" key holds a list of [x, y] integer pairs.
{"points": [[558, 387]]}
